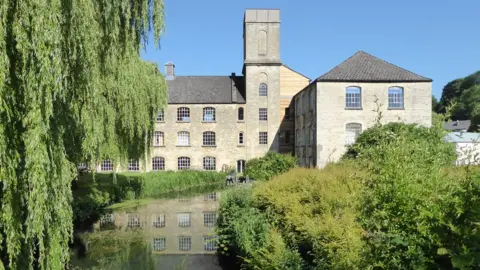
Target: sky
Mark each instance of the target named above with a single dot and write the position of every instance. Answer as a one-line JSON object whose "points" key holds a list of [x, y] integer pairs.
{"points": [[438, 39]]}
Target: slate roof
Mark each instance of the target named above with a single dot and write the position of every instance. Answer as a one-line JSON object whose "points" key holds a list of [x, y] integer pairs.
{"points": [[458, 125], [462, 137], [363, 67], [205, 89]]}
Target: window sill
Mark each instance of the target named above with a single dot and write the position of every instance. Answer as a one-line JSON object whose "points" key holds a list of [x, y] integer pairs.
{"points": [[396, 109], [158, 145], [183, 145], [240, 121], [213, 146], [355, 109], [160, 122], [183, 122], [207, 122], [241, 145]]}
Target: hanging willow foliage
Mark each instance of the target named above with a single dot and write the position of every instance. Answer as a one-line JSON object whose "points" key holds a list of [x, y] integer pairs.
{"points": [[72, 88]]}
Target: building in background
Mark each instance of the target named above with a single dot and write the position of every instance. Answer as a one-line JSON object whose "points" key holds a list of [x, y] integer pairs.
{"points": [[467, 146], [458, 126]]}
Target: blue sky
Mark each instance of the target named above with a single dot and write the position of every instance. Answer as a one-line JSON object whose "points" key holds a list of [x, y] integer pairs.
{"points": [[439, 39]]}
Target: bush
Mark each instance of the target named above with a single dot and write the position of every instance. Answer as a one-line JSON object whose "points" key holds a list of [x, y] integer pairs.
{"points": [[271, 165]]}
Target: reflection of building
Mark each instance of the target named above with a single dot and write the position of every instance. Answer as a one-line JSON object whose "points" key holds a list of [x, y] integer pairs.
{"points": [[177, 226]]}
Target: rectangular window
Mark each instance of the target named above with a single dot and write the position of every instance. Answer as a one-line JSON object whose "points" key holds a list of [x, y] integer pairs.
{"points": [[159, 221], [106, 166], [209, 242], [210, 197], [351, 133], [133, 165], [184, 220], [183, 114], [209, 163], [209, 114], [287, 114], [159, 243], [158, 138], [183, 138], [395, 98], [262, 138], [240, 138], [107, 220], [158, 164], [209, 138], [262, 114], [183, 163], [133, 220], [160, 116], [353, 98], [209, 219], [184, 243]]}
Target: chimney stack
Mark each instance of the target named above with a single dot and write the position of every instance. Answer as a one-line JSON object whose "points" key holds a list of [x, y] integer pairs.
{"points": [[169, 71]]}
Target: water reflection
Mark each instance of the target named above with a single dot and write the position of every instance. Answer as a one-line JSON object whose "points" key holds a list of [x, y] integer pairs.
{"points": [[174, 233]]}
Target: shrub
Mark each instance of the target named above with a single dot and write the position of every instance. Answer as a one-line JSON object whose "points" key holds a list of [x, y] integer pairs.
{"points": [[271, 165]]}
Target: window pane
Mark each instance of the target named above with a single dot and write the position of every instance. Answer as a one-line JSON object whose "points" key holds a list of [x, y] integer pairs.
{"points": [[209, 138], [161, 116], [183, 114], [183, 138], [158, 221], [133, 220], [159, 243], [184, 243], [262, 114], [184, 220], [263, 138], [262, 89], [106, 165], [183, 163], [209, 163], [209, 219], [240, 114], [209, 242], [209, 114], [133, 165], [158, 138], [395, 97], [353, 97], [158, 164]]}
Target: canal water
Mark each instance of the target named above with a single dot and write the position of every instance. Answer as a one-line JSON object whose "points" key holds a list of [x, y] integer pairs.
{"points": [[177, 232]]}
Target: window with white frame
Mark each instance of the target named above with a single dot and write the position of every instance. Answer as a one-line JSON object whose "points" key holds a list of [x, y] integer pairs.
{"points": [[161, 116], [183, 219], [158, 221], [133, 220], [395, 97], [353, 97], [184, 243], [241, 165], [159, 243], [240, 114], [106, 165], [262, 138], [158, 138], [183, 114], [209, 219], [208, 114], [262, 114], [158, 164], [209, 242], [183, 138], [209, 138], [352, 130], [210, 197], [263, 90], [240, 138], [183, 163], [133, 165], [107, 220], [209, 163]]}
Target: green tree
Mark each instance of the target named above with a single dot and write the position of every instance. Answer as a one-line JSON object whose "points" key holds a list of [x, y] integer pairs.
{"points": [[468, 107], [454, 89], [72, 88], [435, 104]]}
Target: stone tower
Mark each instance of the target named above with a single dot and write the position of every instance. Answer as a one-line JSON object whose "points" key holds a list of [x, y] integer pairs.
{"points": [[261, 35]]}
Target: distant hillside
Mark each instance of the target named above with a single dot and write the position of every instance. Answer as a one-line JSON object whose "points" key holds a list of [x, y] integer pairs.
{"points": [[465, 93]]}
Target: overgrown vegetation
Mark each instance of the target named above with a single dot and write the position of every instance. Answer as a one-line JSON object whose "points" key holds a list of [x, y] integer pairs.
{"points": [[395, 201], [270, 165]]}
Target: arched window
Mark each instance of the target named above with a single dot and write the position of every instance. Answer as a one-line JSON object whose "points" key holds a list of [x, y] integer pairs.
{"points": [[209, 114], [183, 163], [262, 42], [183, 138], [240, 166], [158, 138], [183, 114], [209, 163], [395, 97], [240, 114], [209, 138], [158, 164], [240, 138], [352, 130], [353, 97], [263, 90]]}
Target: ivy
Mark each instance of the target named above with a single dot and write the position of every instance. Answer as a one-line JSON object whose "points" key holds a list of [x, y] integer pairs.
{"points": [[72, 88]]}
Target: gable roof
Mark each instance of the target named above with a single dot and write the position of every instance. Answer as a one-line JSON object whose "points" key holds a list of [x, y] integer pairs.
{"points": [[462, 137], [206, 89], [295, 71], [363, 67], [457, 125]]}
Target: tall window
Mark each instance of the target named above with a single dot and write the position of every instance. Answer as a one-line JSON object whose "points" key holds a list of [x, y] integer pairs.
{"points": [[352, 130], [209, 163], [183, 114], [240, 114], [287, 113], [208, 114], [183, 163], [183, 138], [241, 165], [184, 220], [184, 243], [395, 98], [133, 165], [160, 116], [263, 90], [262, 138], [158, 164], [240, 138], [262, 114], [209, 138], [159, 243], [353, 97], [158, 138], [106, 165]]}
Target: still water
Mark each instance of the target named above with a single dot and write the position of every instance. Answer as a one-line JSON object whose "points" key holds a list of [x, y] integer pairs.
{"points": [[173, 233]]}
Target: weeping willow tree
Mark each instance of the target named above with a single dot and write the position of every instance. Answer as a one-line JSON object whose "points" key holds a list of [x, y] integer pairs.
{"points": [[72, 88]]}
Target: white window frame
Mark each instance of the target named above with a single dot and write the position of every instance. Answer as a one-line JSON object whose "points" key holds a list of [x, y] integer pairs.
{"points": [[353, 97], [133, 220], [158, 138], [184, 220], [352, 131], [263, 137], [183, 114], [209, 114], [210, 242], [161, 115], [396, 97], [263, 90], [209, 163], [158, 164], [184, 243], [159, 243], [106, 165], [133, 165], [183, 138], [209, 138], [183, 163], [209, 219], [262, 114], [158, 221]]}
